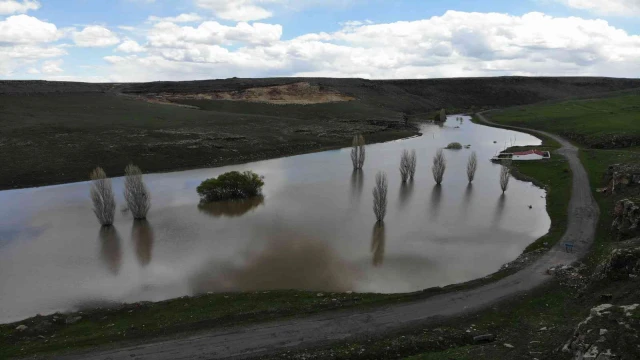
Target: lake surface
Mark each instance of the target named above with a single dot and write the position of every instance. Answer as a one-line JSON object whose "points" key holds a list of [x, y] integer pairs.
{"points": [[314, 229]]}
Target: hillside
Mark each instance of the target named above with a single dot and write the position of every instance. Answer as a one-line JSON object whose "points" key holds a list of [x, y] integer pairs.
{"points": [[53, 132]]}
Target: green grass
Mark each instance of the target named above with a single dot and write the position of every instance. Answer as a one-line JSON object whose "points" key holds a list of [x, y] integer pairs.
{"points": [[599, 123], [146, 320], [461, 353], [57, 138], [554, 175]]}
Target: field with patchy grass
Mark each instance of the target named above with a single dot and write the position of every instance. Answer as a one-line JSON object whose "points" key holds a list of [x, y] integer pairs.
{"points": [[603, 123], [56, 132]]}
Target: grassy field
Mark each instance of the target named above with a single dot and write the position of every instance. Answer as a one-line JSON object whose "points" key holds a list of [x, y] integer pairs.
{"points": [[60, 137], [599, 123]]}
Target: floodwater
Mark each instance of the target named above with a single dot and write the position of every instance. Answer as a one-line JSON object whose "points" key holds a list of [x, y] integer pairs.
{"points": [[313, 229]]}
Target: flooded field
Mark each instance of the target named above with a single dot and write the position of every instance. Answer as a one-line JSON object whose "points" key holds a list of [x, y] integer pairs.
{"points": [[313, 229]]}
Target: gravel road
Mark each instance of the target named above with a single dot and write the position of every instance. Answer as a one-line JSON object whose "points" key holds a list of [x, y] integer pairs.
{"points": [[254, 340]]}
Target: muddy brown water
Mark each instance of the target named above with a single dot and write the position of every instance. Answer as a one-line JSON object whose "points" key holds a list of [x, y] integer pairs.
{"points": [[313, 229]]}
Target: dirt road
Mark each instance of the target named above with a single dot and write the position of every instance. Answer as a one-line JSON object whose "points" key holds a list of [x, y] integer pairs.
{"points": [[258, 339]]}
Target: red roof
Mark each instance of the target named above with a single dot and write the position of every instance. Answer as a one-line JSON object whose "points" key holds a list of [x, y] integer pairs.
{"points": [[530, 152]]}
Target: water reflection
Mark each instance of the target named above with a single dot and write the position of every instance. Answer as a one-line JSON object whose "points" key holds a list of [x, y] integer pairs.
{"points": [[142, 236], [233, 208], [378, 238], [288, 261], [315, 233], [357, 181], [499, 211], [436, 199], [466, 201], [406, 189], [110, 248]]}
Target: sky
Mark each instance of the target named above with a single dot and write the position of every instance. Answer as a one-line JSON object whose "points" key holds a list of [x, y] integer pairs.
{"points": [[151, 40]]}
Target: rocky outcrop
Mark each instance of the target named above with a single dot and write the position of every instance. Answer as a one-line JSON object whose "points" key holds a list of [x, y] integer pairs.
{"points": [[609, 332], [622, 264], [619, 176], [626, 220]]}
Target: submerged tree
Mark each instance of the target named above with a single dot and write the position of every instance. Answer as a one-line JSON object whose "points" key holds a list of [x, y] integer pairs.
{"points": [[439, 166], [405, 166], [505, 175], [413, 162], [380, 196], [104, 202], [136, 193], [472, 166], [358, 152]]}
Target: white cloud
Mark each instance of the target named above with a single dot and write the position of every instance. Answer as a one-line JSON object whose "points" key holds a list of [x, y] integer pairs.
{"points": [[8, 7], [52, 67], [191, 17], [170, 35], [454, 44], [33, 71], [130, 46], [606, 7], [237, 10], [24, 29], [95, 36]]}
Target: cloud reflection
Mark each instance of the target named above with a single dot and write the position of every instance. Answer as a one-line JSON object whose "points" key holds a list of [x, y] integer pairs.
{"points": [[288, 261]]}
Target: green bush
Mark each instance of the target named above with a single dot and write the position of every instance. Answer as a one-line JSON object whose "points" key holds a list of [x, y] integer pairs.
{"points": [[454, 146], [231, 185]]}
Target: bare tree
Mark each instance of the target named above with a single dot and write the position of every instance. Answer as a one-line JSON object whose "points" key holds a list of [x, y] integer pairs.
{"points": [[413, 162], [443, 115], [104, 202], [358, 152], [380, 196], [439, 166], [136, 193], [472, 166], [405, 166], [505, 175]]}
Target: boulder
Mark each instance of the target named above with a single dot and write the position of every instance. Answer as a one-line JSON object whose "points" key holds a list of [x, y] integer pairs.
{"points": [[622, 264], [626, 220], [21, 328], [619, 176], [72, 320], [609, 330]]}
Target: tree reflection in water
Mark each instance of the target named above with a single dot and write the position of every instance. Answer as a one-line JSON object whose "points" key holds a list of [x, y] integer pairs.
{"points": [[232, 208], [110, 249], [142, 236], [378, 238]]}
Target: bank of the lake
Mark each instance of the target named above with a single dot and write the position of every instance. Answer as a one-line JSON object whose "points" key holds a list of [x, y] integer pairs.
{"points": [[144, 320]]}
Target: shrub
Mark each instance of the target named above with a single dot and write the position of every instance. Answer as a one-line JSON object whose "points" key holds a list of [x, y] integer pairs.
{"points": [[439, 166], [454, 146], [231, 185], [136, 193], [505, 175], [472, 166], [358, 152], [380, 196], [104, 202]]}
